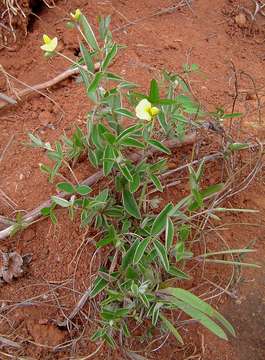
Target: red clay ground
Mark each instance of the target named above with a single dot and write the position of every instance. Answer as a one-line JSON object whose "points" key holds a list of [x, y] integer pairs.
{"points": [[210, 35]]}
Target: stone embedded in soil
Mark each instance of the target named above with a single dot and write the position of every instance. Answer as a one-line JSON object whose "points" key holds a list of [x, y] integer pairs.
{"points": [[241, 20], [45, 118], [28, 235], [45, 334]]}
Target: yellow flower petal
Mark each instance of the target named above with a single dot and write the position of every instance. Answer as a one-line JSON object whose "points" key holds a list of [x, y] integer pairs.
{"points": [[46, 39], [154, 111], [51, 45], [142, 110], [76, 15]]}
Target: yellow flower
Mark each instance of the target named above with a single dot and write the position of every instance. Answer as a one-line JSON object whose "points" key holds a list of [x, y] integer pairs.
{"points": [[76, 15], [145, 111], [49, 44]]}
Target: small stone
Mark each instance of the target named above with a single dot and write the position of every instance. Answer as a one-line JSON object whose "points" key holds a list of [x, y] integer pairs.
{"points": [[241, 20], [28, 235], [46, 335], [45, 118]]}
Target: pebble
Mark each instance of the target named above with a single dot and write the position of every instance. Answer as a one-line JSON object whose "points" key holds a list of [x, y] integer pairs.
{"points": [[45, 118]]}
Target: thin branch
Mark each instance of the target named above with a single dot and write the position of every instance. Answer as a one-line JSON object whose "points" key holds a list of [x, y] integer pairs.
{"points": [[36, 213]]}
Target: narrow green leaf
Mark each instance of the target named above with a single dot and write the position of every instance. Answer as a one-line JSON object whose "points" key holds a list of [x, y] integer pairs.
{"points": [[212, 189], [59, 201], [124, 112], [97, 287], [196, 314], [238, 146], [161, 220], [179, 250], [156, 182], [154, 91], [108, 159], [128, 131], [169, 234], [159, 146], [140, 250], [111, 55], [87, 58], [88, 33], [134, 185], [194, 301], [128, 257], [162, 253], [231, 116], [94, 85], [171, 328], [144, 300], [131, 142], [159, 166], [130, 204], [178, 273], [125, 172]]}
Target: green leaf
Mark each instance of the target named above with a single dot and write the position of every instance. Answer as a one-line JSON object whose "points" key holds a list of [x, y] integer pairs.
{"points": [[109, 340], [140, 250], [104, 242], [66, 187], [135, 183], [179, 250], [196, 314], [230, 116], [92, 156], [144, 300], [111, 55], [238, 146], [156, 182], [154, 92], [53, 217], [159, 146], [128, 131], [163, 122], [128, 257], [124, 112], [88, 33], [94, 85], [178, 273], [45, 211], [161, 220], [212, 189], [184, 232], [169, 236], [130, 204], [125, 172], [108, 160], [83, 189], [158, 166], [131, 142], [162, 253], [97, 287], [193, 300], [87, 57], [171, 328], [59, 201]]}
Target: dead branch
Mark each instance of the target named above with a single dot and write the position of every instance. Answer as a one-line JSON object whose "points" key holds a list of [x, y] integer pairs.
{"points": [[91, 180], [5, 100]]}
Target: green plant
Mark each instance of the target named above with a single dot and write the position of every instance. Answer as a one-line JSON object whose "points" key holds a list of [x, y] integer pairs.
{"points": [[147, 250]]}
